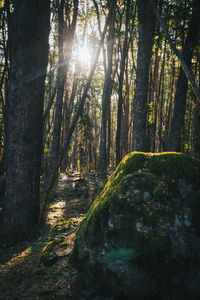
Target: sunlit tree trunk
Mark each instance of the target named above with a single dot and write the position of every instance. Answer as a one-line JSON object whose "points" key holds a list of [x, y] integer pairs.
{"points": [[28, 45], [64, 56]]}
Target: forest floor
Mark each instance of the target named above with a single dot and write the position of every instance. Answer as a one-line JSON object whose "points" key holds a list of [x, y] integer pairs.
{"points": [[38, 268]]}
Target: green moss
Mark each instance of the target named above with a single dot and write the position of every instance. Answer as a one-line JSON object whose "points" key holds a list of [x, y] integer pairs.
{"points": [[158, 192], [62, 225], [196, 212], [49, 246], [132, 219], [48, 259]]}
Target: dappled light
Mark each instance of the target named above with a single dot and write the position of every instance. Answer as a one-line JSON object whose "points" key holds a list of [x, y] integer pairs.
{"points": [[100, 149]]}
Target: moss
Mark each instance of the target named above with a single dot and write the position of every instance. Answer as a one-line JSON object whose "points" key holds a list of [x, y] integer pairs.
{"points": [[48, 259], [49, 246], [135, 221], [62, 225], [196, 212], [38, 270], [158, 192]]}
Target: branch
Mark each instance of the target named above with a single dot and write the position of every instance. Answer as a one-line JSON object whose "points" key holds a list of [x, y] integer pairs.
{"points": [[180, 57], [73, 123]]}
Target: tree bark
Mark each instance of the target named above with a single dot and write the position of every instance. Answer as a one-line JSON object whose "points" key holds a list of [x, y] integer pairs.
{"points": [[177, 124], [28, 45], [107, 91], [120, 90], [146, 32]]}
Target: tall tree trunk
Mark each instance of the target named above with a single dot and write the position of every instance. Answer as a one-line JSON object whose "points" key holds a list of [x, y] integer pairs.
{"points": [[120, 90], [62, 71], [126, 121], [146, 32], [177, 124], [107, 90], [159, 138], [55, 146], [28, 62]]}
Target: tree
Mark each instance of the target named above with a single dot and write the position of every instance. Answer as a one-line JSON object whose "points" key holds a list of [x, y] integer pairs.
{"points": [[107, 90], [146, 26], [62, 71], [28, 48], [76, 116], [120, 90], [192, 38]]}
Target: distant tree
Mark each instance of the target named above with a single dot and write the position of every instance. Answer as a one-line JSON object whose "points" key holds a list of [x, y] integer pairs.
{"points": [[65, 37], [28, 49]]}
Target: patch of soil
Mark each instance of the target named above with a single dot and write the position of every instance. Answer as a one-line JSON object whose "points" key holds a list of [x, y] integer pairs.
{"points": [[38, 268]]}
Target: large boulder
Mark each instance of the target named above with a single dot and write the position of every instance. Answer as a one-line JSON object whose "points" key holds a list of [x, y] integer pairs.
{"points": [[141, 237]]}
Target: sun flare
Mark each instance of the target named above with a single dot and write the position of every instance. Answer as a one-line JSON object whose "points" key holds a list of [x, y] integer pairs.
{"points": [[83, 54]]}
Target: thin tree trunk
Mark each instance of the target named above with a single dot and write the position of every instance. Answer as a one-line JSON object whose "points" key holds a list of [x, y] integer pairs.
{"points": [[73, 123], [62, 71], [107, 90], [120, 90], [125, 132]]}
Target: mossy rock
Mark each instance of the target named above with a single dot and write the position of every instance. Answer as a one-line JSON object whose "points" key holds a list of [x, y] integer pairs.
{"points": [[141, 237]]}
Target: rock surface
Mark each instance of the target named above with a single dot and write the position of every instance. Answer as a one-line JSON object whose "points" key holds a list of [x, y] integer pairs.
{"points": [[141, 237]]}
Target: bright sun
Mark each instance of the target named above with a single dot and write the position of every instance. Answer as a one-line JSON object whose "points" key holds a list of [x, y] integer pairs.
{"points": [[84, 54]]}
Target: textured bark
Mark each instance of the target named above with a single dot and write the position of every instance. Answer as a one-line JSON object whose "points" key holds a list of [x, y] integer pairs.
{"points": [[146, 31], [107, 91], [177, 124], [28, 62]]}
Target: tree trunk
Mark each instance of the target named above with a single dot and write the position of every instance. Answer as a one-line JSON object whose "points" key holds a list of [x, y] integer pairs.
{"points": [[28, 62], [62, 71], [196, 131], [120, 90], [175, 50], [177, 124], [74, 121], [146, 32], [126, 121], [107, 90]]}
